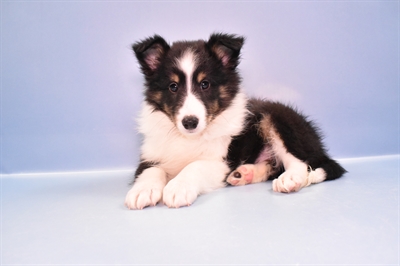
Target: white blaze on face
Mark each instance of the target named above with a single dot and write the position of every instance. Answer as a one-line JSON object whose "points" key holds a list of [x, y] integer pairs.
{"points": [[192, 107]]}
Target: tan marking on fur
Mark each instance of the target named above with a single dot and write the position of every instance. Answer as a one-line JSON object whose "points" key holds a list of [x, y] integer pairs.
{"points": [[268, 132], [266, 129], [213, 110], [223, 92], [156, 96], [201, 76], [168, 110], [175, 78]]}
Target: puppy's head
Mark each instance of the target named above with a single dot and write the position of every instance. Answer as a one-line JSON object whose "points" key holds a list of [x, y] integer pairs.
{"points": [[192, 82]]}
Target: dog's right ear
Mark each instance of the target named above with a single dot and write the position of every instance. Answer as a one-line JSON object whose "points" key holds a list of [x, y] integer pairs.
{"points": [[150, 53]]}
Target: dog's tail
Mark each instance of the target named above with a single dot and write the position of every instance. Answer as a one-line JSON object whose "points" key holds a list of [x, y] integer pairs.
{"points": [[332, 169]]}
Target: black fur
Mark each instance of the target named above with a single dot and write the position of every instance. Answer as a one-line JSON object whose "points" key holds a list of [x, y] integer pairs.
{"points": [[301, 137], [245, 148]]}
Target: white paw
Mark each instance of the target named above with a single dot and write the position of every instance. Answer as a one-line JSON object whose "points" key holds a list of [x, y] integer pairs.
{"points": [[178, 193], [138, 198], [147, 189], [316, 176], [289, 181]]}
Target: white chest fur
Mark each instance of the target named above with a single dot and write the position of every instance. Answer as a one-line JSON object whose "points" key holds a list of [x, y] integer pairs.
{"points": [[164, 144]]}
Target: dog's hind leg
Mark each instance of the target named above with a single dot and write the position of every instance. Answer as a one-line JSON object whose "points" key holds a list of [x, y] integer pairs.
{"points": [[250, 173]]}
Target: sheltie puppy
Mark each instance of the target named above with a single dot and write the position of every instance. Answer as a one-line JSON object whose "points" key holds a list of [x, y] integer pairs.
{"points": [[201, 132]]}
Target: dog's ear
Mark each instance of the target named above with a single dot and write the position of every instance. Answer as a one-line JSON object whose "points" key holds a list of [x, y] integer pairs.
{"points": [[150, 53], [226, 47]]}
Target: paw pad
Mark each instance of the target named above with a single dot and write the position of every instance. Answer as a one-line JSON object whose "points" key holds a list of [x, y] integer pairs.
{"points": [[236, 174], [241, 176]]}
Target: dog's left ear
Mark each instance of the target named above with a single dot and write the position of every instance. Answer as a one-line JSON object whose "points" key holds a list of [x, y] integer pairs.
{"points": [[226, 48]]}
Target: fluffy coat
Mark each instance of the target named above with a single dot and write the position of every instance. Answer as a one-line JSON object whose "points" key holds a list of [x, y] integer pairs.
{"points": [[201, 132]]}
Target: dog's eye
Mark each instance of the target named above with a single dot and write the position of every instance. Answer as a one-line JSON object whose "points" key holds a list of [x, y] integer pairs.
{"points": [[173, 87], [204, 85]]}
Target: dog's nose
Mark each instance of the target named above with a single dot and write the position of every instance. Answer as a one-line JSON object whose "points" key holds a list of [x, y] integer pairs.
{"points": [[190, 122]]}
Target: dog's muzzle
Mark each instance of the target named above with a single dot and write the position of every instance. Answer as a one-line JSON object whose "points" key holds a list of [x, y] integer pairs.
{"points": [[190, 122]]}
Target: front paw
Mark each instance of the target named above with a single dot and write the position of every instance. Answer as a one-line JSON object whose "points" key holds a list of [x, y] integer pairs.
{"points": [[140, 197], [178, 193]]}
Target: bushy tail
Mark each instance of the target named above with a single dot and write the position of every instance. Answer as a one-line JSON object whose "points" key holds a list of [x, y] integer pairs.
{"points": [[332, 169]]}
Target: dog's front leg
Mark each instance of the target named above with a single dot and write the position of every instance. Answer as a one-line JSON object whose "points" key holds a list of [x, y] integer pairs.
{"points": [[147, 189], [196, 178]]}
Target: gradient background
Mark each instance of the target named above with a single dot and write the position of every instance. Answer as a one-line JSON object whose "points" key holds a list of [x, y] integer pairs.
{"points": [[71, 87]]}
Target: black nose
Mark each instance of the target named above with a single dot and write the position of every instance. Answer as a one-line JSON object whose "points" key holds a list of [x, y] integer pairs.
{"points": [[190, 122]]}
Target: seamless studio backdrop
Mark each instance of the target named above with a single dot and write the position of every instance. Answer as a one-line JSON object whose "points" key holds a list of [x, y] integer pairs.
{"points": [[71, 90], [71, 86]]}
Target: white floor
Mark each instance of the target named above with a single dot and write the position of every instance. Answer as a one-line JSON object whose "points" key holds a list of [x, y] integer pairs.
{"points": [[80, 219]]}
